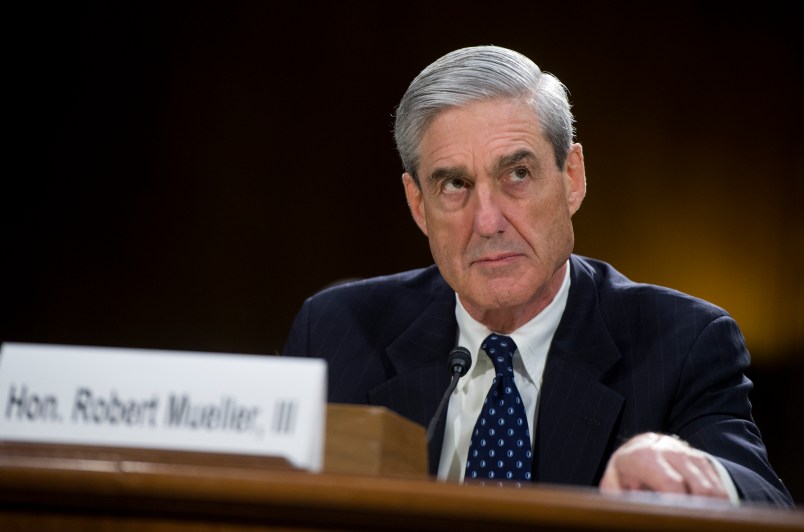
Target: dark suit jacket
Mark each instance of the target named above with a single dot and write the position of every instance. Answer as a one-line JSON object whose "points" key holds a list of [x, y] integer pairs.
{"points": [[626, 358]]}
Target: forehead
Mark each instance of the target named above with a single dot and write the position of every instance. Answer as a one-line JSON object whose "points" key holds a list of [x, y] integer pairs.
{"points": [[481, 132]]}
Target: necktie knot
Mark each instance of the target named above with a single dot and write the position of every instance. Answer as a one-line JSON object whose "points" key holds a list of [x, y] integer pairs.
{"points": [[500, 350]]}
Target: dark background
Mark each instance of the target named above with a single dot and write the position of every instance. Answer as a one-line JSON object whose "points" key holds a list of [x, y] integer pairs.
{"points": [[182, 176]]}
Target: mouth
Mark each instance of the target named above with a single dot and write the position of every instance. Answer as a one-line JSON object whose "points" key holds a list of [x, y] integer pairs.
{"points": [[497, 259]]}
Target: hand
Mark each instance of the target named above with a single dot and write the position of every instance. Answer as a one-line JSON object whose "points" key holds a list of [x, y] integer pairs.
{"points": [[656, 462]]}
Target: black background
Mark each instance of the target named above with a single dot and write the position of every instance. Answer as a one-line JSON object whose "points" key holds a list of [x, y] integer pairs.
{"points": [[182, 176]]}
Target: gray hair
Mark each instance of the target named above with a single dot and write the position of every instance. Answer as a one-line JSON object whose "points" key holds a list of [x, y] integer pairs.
{"points": [[475, 74]]}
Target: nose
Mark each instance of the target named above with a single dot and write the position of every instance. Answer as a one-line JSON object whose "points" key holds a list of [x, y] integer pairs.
{"points": [[489, 218]]}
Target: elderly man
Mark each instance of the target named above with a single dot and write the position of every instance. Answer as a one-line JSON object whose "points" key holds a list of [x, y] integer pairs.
{"points": [[578, 375]]}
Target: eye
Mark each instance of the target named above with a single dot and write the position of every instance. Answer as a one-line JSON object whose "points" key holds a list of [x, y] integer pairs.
{"points": [[454, 185], [519, 173]]}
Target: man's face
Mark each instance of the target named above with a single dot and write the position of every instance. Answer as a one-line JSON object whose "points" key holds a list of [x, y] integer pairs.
{"points": [[496, 209]]}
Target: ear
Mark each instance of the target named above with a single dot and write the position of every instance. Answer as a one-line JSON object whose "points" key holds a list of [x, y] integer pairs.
{"points": [[575, 178], [415, 201]]}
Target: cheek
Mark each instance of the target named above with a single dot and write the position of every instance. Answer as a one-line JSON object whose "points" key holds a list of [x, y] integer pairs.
{"points": [[557, 239], [443, 248], [448, 238]]}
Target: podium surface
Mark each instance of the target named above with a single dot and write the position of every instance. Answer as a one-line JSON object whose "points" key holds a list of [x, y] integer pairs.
{"points": [[108, 495], [45, 488]]}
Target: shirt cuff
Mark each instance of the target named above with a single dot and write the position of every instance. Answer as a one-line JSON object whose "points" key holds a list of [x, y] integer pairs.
{"points": [[725, 478]]}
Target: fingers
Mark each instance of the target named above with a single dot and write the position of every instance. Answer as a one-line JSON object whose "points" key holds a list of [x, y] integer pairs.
{"points": [[610, 483], [664, 464], [698, 473]]}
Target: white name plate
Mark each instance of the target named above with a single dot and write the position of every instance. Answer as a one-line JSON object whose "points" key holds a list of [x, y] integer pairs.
{"points": [[207, 402]]}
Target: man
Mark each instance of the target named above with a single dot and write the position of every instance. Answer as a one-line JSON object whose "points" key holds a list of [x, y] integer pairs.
{"points": [[578, 375]]}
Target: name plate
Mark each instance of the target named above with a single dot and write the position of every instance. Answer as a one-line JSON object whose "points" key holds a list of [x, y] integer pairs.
{"points": [[177, 400]]}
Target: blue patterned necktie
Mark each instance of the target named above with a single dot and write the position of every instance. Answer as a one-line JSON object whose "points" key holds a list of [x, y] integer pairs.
{"points": [[500, 448]]}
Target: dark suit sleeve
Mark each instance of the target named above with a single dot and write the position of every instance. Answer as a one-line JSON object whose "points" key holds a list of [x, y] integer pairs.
{"points": [[297, 341], [713, 413]]}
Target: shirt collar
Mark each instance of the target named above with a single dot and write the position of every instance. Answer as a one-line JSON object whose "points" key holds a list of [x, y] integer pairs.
{"points": [[532, 339]]}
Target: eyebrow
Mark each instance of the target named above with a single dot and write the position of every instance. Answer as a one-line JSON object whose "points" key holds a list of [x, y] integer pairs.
{"points": [[517, 157], [446, 173]]}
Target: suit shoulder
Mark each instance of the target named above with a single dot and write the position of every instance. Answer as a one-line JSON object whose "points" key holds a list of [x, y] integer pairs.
{"points": [[618, 294], [419, 285], [367, 314]]}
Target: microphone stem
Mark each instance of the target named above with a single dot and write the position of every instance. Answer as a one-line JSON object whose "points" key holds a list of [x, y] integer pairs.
{"points": [[437, 417]]}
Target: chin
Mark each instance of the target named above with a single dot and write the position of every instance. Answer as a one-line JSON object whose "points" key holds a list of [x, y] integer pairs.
{"points": [[501, 300]]}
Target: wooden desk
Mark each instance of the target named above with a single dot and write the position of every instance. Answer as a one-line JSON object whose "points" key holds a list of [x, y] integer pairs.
{"points": [[374, 479], [124, 495]]}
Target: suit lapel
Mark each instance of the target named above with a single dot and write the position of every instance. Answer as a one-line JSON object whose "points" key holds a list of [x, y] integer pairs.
{"points": [[577, 413], [419, 357]]}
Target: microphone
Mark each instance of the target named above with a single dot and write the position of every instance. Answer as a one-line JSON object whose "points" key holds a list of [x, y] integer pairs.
{"points": [[458, 363]]}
